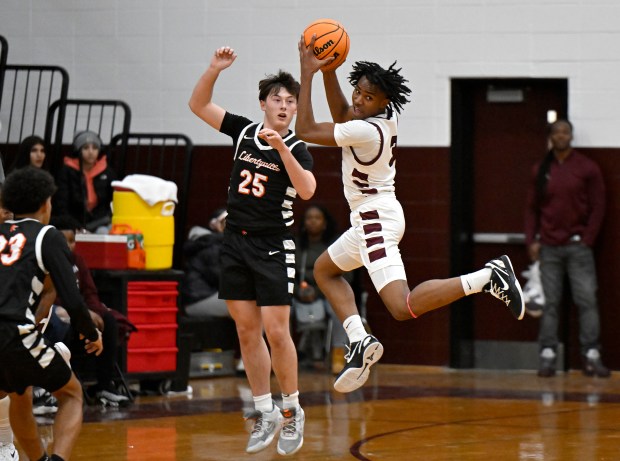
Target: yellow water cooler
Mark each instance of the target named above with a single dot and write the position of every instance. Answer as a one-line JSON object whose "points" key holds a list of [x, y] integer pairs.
{"points": [[155, 222]]}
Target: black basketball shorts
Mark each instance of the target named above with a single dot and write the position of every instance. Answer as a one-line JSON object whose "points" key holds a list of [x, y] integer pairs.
{"points": [[260, 268], [30, 360]]}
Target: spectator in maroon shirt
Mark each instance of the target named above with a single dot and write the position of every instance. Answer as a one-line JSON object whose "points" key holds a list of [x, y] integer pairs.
{"points": [[566, 206], [114, 326]]}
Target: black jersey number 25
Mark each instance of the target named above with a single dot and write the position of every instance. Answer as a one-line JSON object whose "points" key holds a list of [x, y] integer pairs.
{"points": [[252, 183]]}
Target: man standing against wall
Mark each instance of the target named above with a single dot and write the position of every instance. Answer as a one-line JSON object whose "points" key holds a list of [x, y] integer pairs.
{"points": [[566, 206]]}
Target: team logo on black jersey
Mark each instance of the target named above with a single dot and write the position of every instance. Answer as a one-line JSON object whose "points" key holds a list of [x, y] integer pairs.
{"points": [[247, 157]]}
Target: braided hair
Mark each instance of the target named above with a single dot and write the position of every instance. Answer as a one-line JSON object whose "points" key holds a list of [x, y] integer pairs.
{"points": [[390, 81]]}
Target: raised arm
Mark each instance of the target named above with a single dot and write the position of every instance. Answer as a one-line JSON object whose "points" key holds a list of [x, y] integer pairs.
{"points": [[306, 127], [338, 104], [200, 102]]}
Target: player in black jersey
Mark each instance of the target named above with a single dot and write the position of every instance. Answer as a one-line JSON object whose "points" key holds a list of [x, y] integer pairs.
{"points": [[271, 166], [28, 250]]}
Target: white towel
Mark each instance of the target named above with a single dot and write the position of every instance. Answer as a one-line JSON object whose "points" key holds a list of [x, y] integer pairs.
{"points": [[151, 188]]}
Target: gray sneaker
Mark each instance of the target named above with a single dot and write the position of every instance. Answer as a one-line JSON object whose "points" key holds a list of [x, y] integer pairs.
{"points": [[292, 433], [265, 426]]}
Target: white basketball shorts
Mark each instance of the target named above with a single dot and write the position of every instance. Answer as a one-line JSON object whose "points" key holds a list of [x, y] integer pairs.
{"points": [[377, 227]]}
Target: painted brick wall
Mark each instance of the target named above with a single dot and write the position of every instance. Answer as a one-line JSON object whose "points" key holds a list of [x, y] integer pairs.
{"points": [[149, 53]]}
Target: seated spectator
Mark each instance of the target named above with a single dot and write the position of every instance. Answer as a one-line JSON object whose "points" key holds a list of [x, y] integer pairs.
{"points": [[200, 285], [31, 152], [113, 325], [85, 185], [317, 231]]}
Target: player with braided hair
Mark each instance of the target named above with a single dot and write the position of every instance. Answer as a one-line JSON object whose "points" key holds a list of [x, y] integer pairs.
{"points": [[390, 81], [366, 130]]}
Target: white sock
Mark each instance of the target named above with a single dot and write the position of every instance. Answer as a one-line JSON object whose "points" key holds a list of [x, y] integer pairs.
{"points": [[6, 434], [593, 354], [547, 353], [290, 400], [263, 403], [475, 281], [355, 328]]}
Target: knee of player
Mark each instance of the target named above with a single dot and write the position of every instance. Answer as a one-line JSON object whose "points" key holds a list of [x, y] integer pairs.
{"points": [[249, 334], [400, 312], [278, 339]]}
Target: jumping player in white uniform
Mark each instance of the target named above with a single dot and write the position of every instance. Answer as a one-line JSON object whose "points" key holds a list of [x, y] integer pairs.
{"points": [[271, 167], [367, 132]]}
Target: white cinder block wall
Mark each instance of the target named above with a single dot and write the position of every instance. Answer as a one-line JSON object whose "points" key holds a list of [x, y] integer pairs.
{"points": [[149, 53]]}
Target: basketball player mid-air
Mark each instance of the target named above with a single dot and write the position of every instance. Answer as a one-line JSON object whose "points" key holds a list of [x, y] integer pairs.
{"points": [[366, 130]]}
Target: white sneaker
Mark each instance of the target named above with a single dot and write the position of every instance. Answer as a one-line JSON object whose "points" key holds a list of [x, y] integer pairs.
{"points": [[8, 452]]}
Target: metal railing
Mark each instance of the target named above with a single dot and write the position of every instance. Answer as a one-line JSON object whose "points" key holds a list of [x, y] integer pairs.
{"points": [[65, 118], [27, 92]]}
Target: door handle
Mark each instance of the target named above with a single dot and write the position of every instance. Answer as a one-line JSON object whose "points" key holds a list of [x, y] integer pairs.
{"points": [[499, 237]]}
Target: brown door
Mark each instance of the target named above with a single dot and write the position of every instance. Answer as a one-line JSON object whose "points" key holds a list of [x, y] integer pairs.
{"points": [[499, 129]]}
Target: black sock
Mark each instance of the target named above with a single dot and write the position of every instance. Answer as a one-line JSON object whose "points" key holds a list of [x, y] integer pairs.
{"points": [[56, 458]]}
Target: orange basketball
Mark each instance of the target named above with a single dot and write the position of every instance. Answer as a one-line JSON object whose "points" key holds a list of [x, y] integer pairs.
{"points": [[331, 40]]}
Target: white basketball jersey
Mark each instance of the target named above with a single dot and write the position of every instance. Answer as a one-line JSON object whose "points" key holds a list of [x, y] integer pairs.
{"points": [[368, 166]]}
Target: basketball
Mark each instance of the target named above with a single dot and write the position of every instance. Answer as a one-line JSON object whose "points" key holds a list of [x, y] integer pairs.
{"points": [[331, 40]]}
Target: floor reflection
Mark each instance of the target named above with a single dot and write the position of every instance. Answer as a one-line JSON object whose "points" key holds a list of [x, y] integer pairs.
{"points": [[402, 413]]}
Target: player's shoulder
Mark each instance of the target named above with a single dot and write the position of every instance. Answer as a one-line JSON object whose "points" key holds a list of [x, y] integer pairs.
{"points": [[293, 142], [27, 225], [234, 124]]}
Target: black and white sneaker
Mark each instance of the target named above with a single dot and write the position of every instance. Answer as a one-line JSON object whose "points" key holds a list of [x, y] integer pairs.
{"points": [[109, 398], [43, 403], [505, 286], [361, 356]]}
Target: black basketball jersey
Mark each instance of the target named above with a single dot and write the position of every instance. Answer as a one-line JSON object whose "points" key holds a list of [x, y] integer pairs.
{"points": [[260, 194], [28, 251]]}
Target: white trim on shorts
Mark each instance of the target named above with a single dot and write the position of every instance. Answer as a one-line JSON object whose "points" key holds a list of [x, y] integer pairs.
{"points": [[377, 226]]}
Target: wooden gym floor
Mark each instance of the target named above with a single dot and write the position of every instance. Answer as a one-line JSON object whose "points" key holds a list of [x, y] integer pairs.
{"points": [[402, 413]]}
